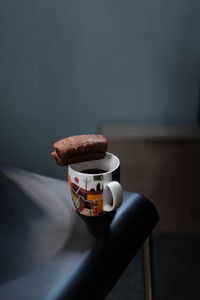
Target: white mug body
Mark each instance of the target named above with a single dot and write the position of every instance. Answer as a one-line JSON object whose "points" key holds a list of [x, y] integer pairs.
{"points": [[98, 192]]}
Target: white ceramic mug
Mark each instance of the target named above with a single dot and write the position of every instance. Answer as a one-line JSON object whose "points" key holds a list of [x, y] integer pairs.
{"points": [[94, 185]]}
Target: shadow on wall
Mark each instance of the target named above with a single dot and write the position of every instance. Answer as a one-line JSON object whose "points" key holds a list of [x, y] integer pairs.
{"points": [[185, 68], [67, 67]]}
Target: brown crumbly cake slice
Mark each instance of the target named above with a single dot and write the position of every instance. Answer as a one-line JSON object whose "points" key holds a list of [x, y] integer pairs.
{"points": [[79, 148]]}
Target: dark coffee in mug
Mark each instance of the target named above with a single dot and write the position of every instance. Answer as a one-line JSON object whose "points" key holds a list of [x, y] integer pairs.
{"points": [[93, 171]]}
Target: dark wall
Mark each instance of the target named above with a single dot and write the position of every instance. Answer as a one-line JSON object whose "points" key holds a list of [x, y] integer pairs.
{"points": [[67, 66]]}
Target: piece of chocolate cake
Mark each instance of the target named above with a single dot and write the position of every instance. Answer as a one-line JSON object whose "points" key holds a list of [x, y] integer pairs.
{"points": [[79, 148]]}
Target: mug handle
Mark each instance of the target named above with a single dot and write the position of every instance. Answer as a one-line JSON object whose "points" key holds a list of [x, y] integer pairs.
{"points": [[116, 191]]}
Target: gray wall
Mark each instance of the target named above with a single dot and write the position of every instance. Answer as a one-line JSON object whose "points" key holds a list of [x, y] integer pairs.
{"points": [[67, 66]]}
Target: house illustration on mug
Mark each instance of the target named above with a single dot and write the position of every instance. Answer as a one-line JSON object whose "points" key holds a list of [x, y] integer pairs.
{"points": [[87, 199]]}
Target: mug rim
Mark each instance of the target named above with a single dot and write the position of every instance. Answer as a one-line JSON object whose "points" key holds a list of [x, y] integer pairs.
{"points": [[70, 167]]}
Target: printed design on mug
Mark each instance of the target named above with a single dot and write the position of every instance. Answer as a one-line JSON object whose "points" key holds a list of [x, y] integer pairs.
{"points": [[87, 194]]}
